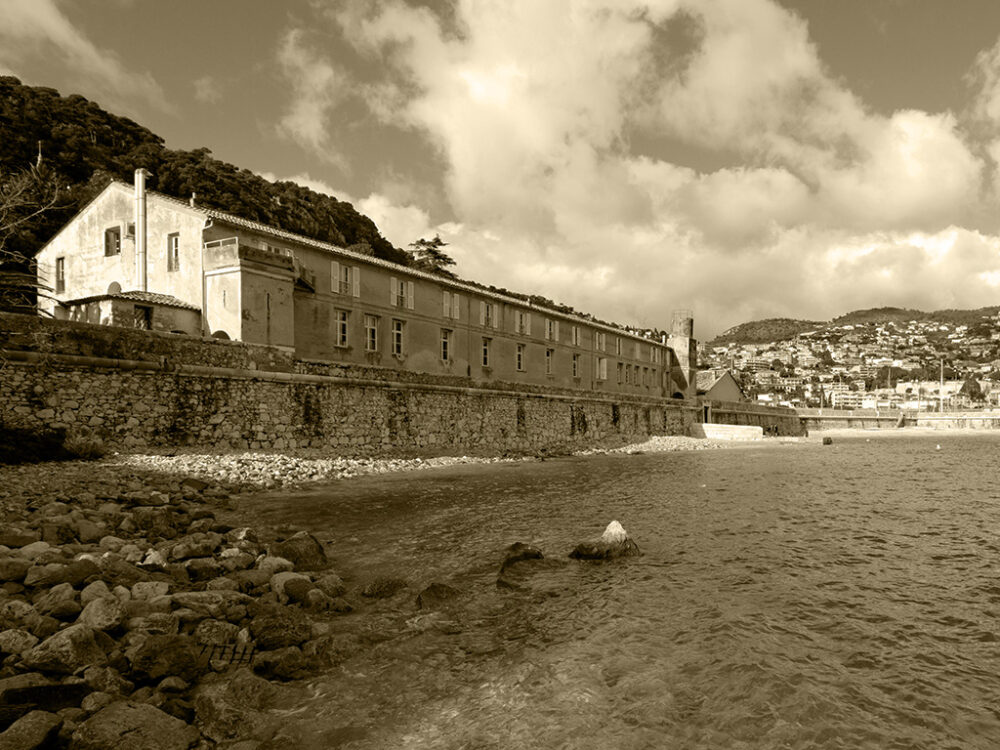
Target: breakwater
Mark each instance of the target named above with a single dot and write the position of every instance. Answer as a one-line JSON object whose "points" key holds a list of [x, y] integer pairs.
{"points": [[140, 389]]}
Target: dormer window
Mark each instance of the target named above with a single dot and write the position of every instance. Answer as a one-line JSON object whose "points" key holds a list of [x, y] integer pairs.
{"points": [[113, 241]]}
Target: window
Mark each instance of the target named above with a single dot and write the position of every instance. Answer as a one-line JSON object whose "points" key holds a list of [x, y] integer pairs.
{"points": [[397, 337], [113, 241], [654, 354], [618, 347], [575, 335], [520, 358], [548, 361], [343, 325], [645, 376], [486, 351], [371, 333], [488, 315], [345, 279], [173, 252], [628, 374], [601, 371], [600, 341], [60, 275], [621, 369], [551, 329], [445, 345], [576, 365], [638, 350], [522, 322], [401, 293], [450, 304], [142, 317]]}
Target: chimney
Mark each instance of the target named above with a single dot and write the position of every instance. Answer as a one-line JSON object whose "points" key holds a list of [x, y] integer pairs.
{"points": [[140, 228]]}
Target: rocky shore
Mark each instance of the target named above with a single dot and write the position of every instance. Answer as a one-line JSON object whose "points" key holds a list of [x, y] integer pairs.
{"points": [[135, 613]]}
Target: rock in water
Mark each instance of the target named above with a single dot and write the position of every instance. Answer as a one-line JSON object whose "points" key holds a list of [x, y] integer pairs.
{"points": [[614, 542]]}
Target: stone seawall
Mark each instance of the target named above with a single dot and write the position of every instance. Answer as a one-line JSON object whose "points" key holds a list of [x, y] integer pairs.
{"points": [[169, 400], [774, 420]]}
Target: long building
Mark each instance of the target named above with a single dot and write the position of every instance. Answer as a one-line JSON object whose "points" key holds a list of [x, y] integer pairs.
{"points": [[137, 258]]}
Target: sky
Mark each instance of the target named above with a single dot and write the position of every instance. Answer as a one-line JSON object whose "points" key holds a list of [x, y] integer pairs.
{"points": [[742, 159]]}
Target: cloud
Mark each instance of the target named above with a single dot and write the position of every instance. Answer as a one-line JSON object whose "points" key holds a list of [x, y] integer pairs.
{"points": [[317, 87], [535, 109], [207, 90], [39, 29]]}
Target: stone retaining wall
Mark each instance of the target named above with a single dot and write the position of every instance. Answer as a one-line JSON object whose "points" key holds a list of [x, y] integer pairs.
{"points": [[169, 400], [774, 420]]}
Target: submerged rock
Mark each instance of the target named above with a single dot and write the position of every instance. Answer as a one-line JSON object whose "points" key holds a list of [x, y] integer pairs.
{"points": [[614, 542]]}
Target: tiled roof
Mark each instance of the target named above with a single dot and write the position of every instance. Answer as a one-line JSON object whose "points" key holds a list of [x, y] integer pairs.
{"points": [[455, 284], [150, 298]]}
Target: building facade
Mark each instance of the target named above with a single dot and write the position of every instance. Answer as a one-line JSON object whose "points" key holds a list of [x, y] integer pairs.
{"points": [[134, 257]]}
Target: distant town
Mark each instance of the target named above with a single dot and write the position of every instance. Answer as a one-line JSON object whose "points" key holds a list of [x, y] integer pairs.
{"points": [[915, 365]]}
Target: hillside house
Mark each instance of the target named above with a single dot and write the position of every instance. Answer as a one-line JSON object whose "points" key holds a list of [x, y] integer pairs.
{"points": [[134, 257]]}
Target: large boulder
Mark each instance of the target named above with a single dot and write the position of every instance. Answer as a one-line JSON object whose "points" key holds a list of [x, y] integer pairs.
{"points": [[133, 726], [279, 627], [66, 651], [35, 730], [303, 550], [614, 542], [158, 656], [234, 706]]}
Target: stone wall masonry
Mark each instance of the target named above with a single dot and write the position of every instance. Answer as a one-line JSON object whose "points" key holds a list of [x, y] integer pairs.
{"points": [[169, 400], [775, 420]]}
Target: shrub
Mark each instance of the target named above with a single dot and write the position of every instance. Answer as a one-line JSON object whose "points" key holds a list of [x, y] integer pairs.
{"points": [[85, 446]]}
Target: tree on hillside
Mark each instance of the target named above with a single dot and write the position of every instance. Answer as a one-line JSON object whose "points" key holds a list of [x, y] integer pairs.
{"points": [[429, 256], [24, 196]]}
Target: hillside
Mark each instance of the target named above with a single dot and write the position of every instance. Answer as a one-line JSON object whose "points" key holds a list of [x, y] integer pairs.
{"points": [[763, 331], [781, 329], [82, 147]]}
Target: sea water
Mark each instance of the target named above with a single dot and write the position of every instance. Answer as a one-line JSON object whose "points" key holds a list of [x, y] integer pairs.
{"points": [[789, 596]]}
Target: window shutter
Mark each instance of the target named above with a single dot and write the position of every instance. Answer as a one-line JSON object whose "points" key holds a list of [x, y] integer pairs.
{"points": [[482, 313], [356, 281], [557, 330], [455, 306], [409, 295], [527, 319], [446, 304], [335, 277], [392, 290]]}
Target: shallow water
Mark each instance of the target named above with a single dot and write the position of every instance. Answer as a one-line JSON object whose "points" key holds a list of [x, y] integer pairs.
{"points": [[789, 596]]}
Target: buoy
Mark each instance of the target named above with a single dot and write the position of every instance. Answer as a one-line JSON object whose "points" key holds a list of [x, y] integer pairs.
{"points": [[828, 441]]}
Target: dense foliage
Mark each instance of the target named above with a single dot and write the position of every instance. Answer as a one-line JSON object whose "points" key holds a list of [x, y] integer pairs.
{"points": [[766, 331], [82, 147]]}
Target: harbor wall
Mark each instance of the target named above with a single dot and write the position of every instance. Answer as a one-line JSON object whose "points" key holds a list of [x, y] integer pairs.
{"points": [[141, 389]]}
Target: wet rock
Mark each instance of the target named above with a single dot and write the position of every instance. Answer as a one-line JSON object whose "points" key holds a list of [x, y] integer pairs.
{"points": [[383, 588], [59, 602], [96, 701], [436, 595], [234, 706], [35, 730], [95, 590], [331, 584], [149, 589], [159, 656], [215, 632], [16, 641], [107, 680], [17, 538], [126, 725], [270, 565], [280, 580], [13, 568], [155, 623], [518, 552], [614, 542], [106, 613], [66, 651], [303, 550], [201, 569], [287, 663], [278, 627], [219, 605]]}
